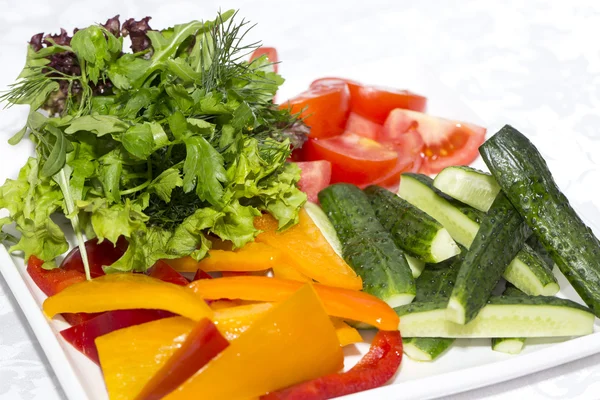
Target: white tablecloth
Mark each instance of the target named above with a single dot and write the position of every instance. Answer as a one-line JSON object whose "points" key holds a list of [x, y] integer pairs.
{"points": [[534, 64]]}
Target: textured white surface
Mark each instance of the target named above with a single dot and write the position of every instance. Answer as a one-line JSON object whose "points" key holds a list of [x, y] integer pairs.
{"points": [[533, 64]]}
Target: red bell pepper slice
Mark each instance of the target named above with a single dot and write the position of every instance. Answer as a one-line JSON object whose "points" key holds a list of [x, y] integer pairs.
{"points": [[202, 344], [376, 368], [201, 275], [83, 336], [99, 254], [163, 271]]}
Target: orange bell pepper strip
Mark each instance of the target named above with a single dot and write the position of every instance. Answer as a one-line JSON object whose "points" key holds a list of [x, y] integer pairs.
{"points": [[234, 321], [127, 291], [338, 302], [202, 344], [285, 271], [304, 247], [346, 334], [292, 343], [130, 357]]}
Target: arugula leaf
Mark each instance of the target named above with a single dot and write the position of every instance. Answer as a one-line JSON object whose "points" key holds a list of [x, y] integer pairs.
{"points": [[203, 169], [57, 157]]}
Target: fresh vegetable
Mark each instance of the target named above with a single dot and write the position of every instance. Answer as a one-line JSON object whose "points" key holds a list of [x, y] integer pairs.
{"points": [[413, 231], [130, 357], [163, 271], [511, 345], [314, 177], [416, 266], [362, 126], [252, 257], [127, 291], [98, 254], [286, 355], [446, 142], [503, 316], [345, 333], [376, 368], [530, 273], [367, 246], [270, 53], [375, 103], [354, 159], [523, 175], [83, 335], [338, 302], [161, 146], [284, 271], [418, 190], [234, 320], [499, 239], [305, 248], [324, 109], [425, 349], [201, 345], [475, 188], [320, 219]]}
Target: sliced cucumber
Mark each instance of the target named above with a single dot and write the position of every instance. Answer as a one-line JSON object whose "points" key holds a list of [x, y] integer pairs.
{"points": [[499, 239], [416, 266], [468, 185], [508, 345], [425, 349], [503, 316], [437, 283], [320, 219], [526, 180], [418, 190], [529, 272], [413, 231], [367, 246]]}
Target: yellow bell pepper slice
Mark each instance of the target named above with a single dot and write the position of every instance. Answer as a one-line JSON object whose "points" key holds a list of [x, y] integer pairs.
{"points": [[127, 291], [130, 357], [338, 302], [304, 247], [293, 342], [346, 334], [285, 271]]}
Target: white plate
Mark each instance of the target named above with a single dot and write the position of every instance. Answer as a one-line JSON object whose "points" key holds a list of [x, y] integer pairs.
{"points": [[469, 363]]}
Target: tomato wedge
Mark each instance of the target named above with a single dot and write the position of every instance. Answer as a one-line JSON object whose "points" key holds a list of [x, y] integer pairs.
{"points": [[447, 142], [375, 103], [324, 109], [354, 159], [314, 177], [363, 126], [271, 54]]}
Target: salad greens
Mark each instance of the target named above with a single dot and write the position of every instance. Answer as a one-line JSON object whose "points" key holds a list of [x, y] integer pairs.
{"points": [[165, 145]]}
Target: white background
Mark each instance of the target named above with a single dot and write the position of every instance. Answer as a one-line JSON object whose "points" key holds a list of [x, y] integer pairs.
{"points": [[533, 64]]}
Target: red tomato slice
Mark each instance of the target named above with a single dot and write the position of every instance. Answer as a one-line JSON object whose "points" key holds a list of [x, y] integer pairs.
{"points": [[375, 103], [446, 142], [271, 54], [409, 147], [324, 109], [99, 255], [315, 176], [354, 159], [363, 126]]}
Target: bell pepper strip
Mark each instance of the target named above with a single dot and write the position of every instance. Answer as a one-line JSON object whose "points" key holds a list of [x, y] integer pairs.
{"points": [[293, 342], [53, 281], [121, 291], [234, 321], [346, 334], [82, 336], [130, 357], [201, 345], [201, 275], [183, 264], [252, 257], [285, 271], [99, 255], [377, 367], [338, 302], [163, 271], [304, 247]]}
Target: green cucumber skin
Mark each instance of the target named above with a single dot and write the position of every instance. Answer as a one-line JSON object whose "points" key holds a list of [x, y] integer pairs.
{"points": [[499, 239], [523, 175], [366, 246], [498, 342], [438, 282], [433, 347], [411, 229], [537, 266]]}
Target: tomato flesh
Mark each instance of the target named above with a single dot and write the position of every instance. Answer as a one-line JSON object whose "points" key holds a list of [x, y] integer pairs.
{"points": [[446, 142], [375, 103], [354, 159], [363, 127], [270, 53], [324, 109], [314, 177]]}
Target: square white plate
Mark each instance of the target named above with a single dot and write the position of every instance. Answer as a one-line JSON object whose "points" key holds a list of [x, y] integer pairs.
{"points": [[467, 365]]}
